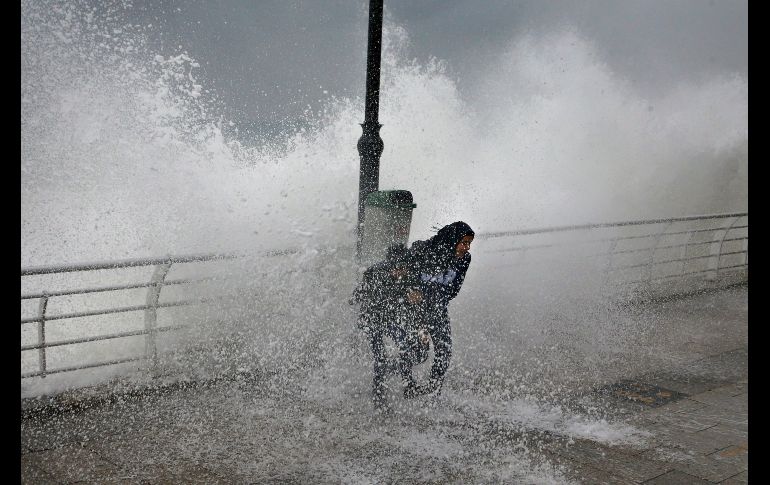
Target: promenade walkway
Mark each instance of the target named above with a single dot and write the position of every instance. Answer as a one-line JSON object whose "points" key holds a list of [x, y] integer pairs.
{"points": [[686, 423]]}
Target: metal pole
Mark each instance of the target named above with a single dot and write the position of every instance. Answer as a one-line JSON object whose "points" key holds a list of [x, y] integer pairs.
{"points": [[151, 314], [370, 144], [41, 335]]}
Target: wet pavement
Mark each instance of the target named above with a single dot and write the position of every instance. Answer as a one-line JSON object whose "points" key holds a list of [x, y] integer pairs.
{"points": [[683, 423]]}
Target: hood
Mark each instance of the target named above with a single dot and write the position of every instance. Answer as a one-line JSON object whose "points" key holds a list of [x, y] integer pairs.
{"points": [[443, 244]]}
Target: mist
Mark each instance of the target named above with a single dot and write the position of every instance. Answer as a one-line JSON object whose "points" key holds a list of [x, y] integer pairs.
{"points": [[231, 127], [129, 151]]}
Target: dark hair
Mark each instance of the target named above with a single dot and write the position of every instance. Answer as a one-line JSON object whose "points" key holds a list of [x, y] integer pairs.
{"points": [[445, 241]]}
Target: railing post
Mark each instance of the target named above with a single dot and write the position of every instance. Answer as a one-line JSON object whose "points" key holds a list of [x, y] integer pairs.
{"points": [[654, 248], [151, 313], [41, 334], [746, 252], [683, 256], [717, 251], [610, 257]]}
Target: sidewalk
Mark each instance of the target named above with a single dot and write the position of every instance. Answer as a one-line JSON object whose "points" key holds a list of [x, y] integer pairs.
{"points": [[250, 431], [698, 416]]}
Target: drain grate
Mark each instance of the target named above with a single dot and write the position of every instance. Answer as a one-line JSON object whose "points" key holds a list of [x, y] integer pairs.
{"points": [[642, 393]]}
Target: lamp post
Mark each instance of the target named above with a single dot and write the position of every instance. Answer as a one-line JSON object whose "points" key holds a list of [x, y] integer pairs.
{"points": [[370, 144]]}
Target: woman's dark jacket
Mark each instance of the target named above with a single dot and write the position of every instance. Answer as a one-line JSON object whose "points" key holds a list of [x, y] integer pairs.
{"points": [[430, 267]]}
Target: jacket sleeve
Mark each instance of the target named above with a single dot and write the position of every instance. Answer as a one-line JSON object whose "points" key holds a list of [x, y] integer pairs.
{"points": [[439, 293], [454, 288]]}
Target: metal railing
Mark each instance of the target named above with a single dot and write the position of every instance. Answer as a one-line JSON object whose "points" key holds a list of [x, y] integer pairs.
{"points": [[711, 241], [150, 330], [706, 246]]}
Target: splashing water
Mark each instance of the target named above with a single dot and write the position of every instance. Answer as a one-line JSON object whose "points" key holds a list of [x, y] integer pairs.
{"points": [[124, 154]]}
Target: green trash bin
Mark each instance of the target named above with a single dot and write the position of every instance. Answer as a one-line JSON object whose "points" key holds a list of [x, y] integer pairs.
{"points": [[387, 219]]}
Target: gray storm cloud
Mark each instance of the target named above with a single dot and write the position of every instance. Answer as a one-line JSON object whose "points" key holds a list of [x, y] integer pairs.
{"points": [[271, 60]]}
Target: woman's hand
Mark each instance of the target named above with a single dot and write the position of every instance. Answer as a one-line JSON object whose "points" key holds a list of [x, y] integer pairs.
{"points": [[398, 273], [423, 336], [414, 296]]}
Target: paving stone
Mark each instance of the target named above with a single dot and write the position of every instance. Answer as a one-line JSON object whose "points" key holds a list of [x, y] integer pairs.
{"points": [[183, 473], [593, 476], [699, 465], [739, 479], [686, 384], [728, 390], [722, 436], [675, 477], [686, 442], [736, 454], [685, 405], [72, 463], [641, 392], [734, 421], [632, 467], [682, 423], [31, 474], [700, 436]]}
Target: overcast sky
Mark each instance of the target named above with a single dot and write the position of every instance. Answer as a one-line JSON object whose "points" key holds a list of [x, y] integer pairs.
{"points": [[272, 58]]}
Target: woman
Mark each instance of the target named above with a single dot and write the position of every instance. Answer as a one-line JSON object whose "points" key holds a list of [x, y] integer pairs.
{"points": [[406, 297], [436, 270]]}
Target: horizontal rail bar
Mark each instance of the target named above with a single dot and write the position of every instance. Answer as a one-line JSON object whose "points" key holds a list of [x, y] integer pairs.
{"points": [[658, 278], [523, 248], [680, 275], [113, 310], [733, 252], [138, 262], [676, 260], [624, 251], [609, 224], [127, 263], [675, 233], [80, 367], [670, 246], [82, 291], [625, 238], [102, 337], [736, 239]]}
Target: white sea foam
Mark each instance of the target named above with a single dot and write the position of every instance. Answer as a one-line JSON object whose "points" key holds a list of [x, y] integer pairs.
{"points": [[125, 154]]}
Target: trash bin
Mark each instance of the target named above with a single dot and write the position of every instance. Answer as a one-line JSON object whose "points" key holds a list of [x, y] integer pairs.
{"points": [[387, 219]]}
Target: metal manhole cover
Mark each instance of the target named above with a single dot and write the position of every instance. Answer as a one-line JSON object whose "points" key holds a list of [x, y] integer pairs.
{"points": [[641, 393]]}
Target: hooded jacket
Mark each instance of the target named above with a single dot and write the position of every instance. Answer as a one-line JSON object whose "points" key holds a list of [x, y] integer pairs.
{"points": [[433, 267]]}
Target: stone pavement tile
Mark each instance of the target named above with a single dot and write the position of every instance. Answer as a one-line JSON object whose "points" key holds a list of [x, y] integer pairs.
{"points": [[591, 475], [144, 456], [722, 436], [721, 395], [82, 426], [699, 465], [144, 465], [72, 463], [737, 454], [686, 443], [675, 477], [684, 422], [31, 474], [705, 374], [685, 405], [681, 429], [700, 442], [685, 384], [730, 366], [183, 473], [734, 421], [739, 479], [631, 467], [36, 434]]}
